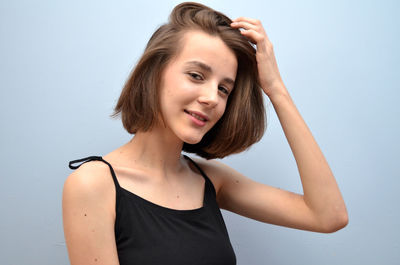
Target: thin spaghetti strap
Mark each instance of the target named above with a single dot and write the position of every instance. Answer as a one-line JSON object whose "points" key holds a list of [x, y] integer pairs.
{"points": [[197, 166], [94, 158], [84, 160]]}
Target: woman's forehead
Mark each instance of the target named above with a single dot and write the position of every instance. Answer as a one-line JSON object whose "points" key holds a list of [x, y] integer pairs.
{"points": [[198, 46]]}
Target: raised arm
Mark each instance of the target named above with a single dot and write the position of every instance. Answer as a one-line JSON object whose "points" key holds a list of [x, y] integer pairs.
{"points": [[321, 208], [88, 216]]}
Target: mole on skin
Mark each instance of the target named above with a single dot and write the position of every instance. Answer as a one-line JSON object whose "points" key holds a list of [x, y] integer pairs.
{"points": [[237, 181]]}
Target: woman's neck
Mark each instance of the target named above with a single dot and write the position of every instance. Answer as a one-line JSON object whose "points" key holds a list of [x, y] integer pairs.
{"points": [[157, 151]]}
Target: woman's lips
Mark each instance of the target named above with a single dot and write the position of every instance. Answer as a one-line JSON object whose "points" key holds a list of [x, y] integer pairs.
{"points": [[198, 118]]}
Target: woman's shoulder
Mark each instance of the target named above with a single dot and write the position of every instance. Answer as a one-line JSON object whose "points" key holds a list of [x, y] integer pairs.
{"points": [[89, 174], [217, 171], [91, 182], [215, 167], [88, 210]]}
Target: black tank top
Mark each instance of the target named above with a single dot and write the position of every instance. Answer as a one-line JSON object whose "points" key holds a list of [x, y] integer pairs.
{"points": [[150, 234]]}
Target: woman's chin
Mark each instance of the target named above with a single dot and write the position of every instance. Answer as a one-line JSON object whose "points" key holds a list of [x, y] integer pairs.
{"points": [[192, 140]]}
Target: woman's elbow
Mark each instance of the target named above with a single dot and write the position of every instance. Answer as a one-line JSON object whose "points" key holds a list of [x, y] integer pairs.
{"points": [[337, 222]]}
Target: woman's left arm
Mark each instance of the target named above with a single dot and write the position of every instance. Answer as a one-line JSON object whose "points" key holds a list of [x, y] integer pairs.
{"points": [[322, 196]]}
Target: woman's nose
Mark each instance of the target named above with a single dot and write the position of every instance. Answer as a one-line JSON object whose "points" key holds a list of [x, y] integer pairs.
{"points": [[209, 96]]}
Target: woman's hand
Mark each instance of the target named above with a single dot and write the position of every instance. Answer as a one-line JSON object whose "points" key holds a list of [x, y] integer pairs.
{"points": [[270, 78]]}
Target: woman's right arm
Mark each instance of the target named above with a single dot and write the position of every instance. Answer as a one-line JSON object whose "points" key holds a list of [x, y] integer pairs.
{"points": [[89, 215]]}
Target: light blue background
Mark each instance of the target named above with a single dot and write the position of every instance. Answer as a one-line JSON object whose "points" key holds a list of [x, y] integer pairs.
{"points": [[62, 67]]}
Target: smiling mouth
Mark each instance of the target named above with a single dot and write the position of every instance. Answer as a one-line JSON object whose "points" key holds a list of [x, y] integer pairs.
{"points": [[196, 116]]}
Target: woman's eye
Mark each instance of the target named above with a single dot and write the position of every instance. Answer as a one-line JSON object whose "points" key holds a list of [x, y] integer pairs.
{"points": [[223, 90], [196, 76]]}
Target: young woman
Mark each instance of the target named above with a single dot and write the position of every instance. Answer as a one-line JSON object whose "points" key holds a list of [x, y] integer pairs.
{"points": [[197, 88]]}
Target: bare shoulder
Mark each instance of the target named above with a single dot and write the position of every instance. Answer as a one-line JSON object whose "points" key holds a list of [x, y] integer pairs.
{"points": [[91, 182], [217, 169], [220, 174], [88, 205]]}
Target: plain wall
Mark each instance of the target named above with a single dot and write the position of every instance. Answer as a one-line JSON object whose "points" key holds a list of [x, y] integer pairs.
{"points": [[62, 67]]}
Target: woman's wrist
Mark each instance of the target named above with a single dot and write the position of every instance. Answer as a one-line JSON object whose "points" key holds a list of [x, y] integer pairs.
{"points": [[278, 93]]}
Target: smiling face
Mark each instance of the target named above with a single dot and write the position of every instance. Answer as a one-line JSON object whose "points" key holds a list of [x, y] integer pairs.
{"points": [[195, 86]]}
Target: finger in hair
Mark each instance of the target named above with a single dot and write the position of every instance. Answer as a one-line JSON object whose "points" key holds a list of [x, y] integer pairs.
{"points": [[252, 35], [245, 25], [247, 19]]}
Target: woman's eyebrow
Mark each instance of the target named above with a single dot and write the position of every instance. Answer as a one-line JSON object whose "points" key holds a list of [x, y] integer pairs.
{"points": [[208, 69], [203, 66]]}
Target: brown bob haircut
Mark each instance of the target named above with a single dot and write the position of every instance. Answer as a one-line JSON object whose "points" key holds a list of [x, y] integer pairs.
{"points": [[243, 122]]}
